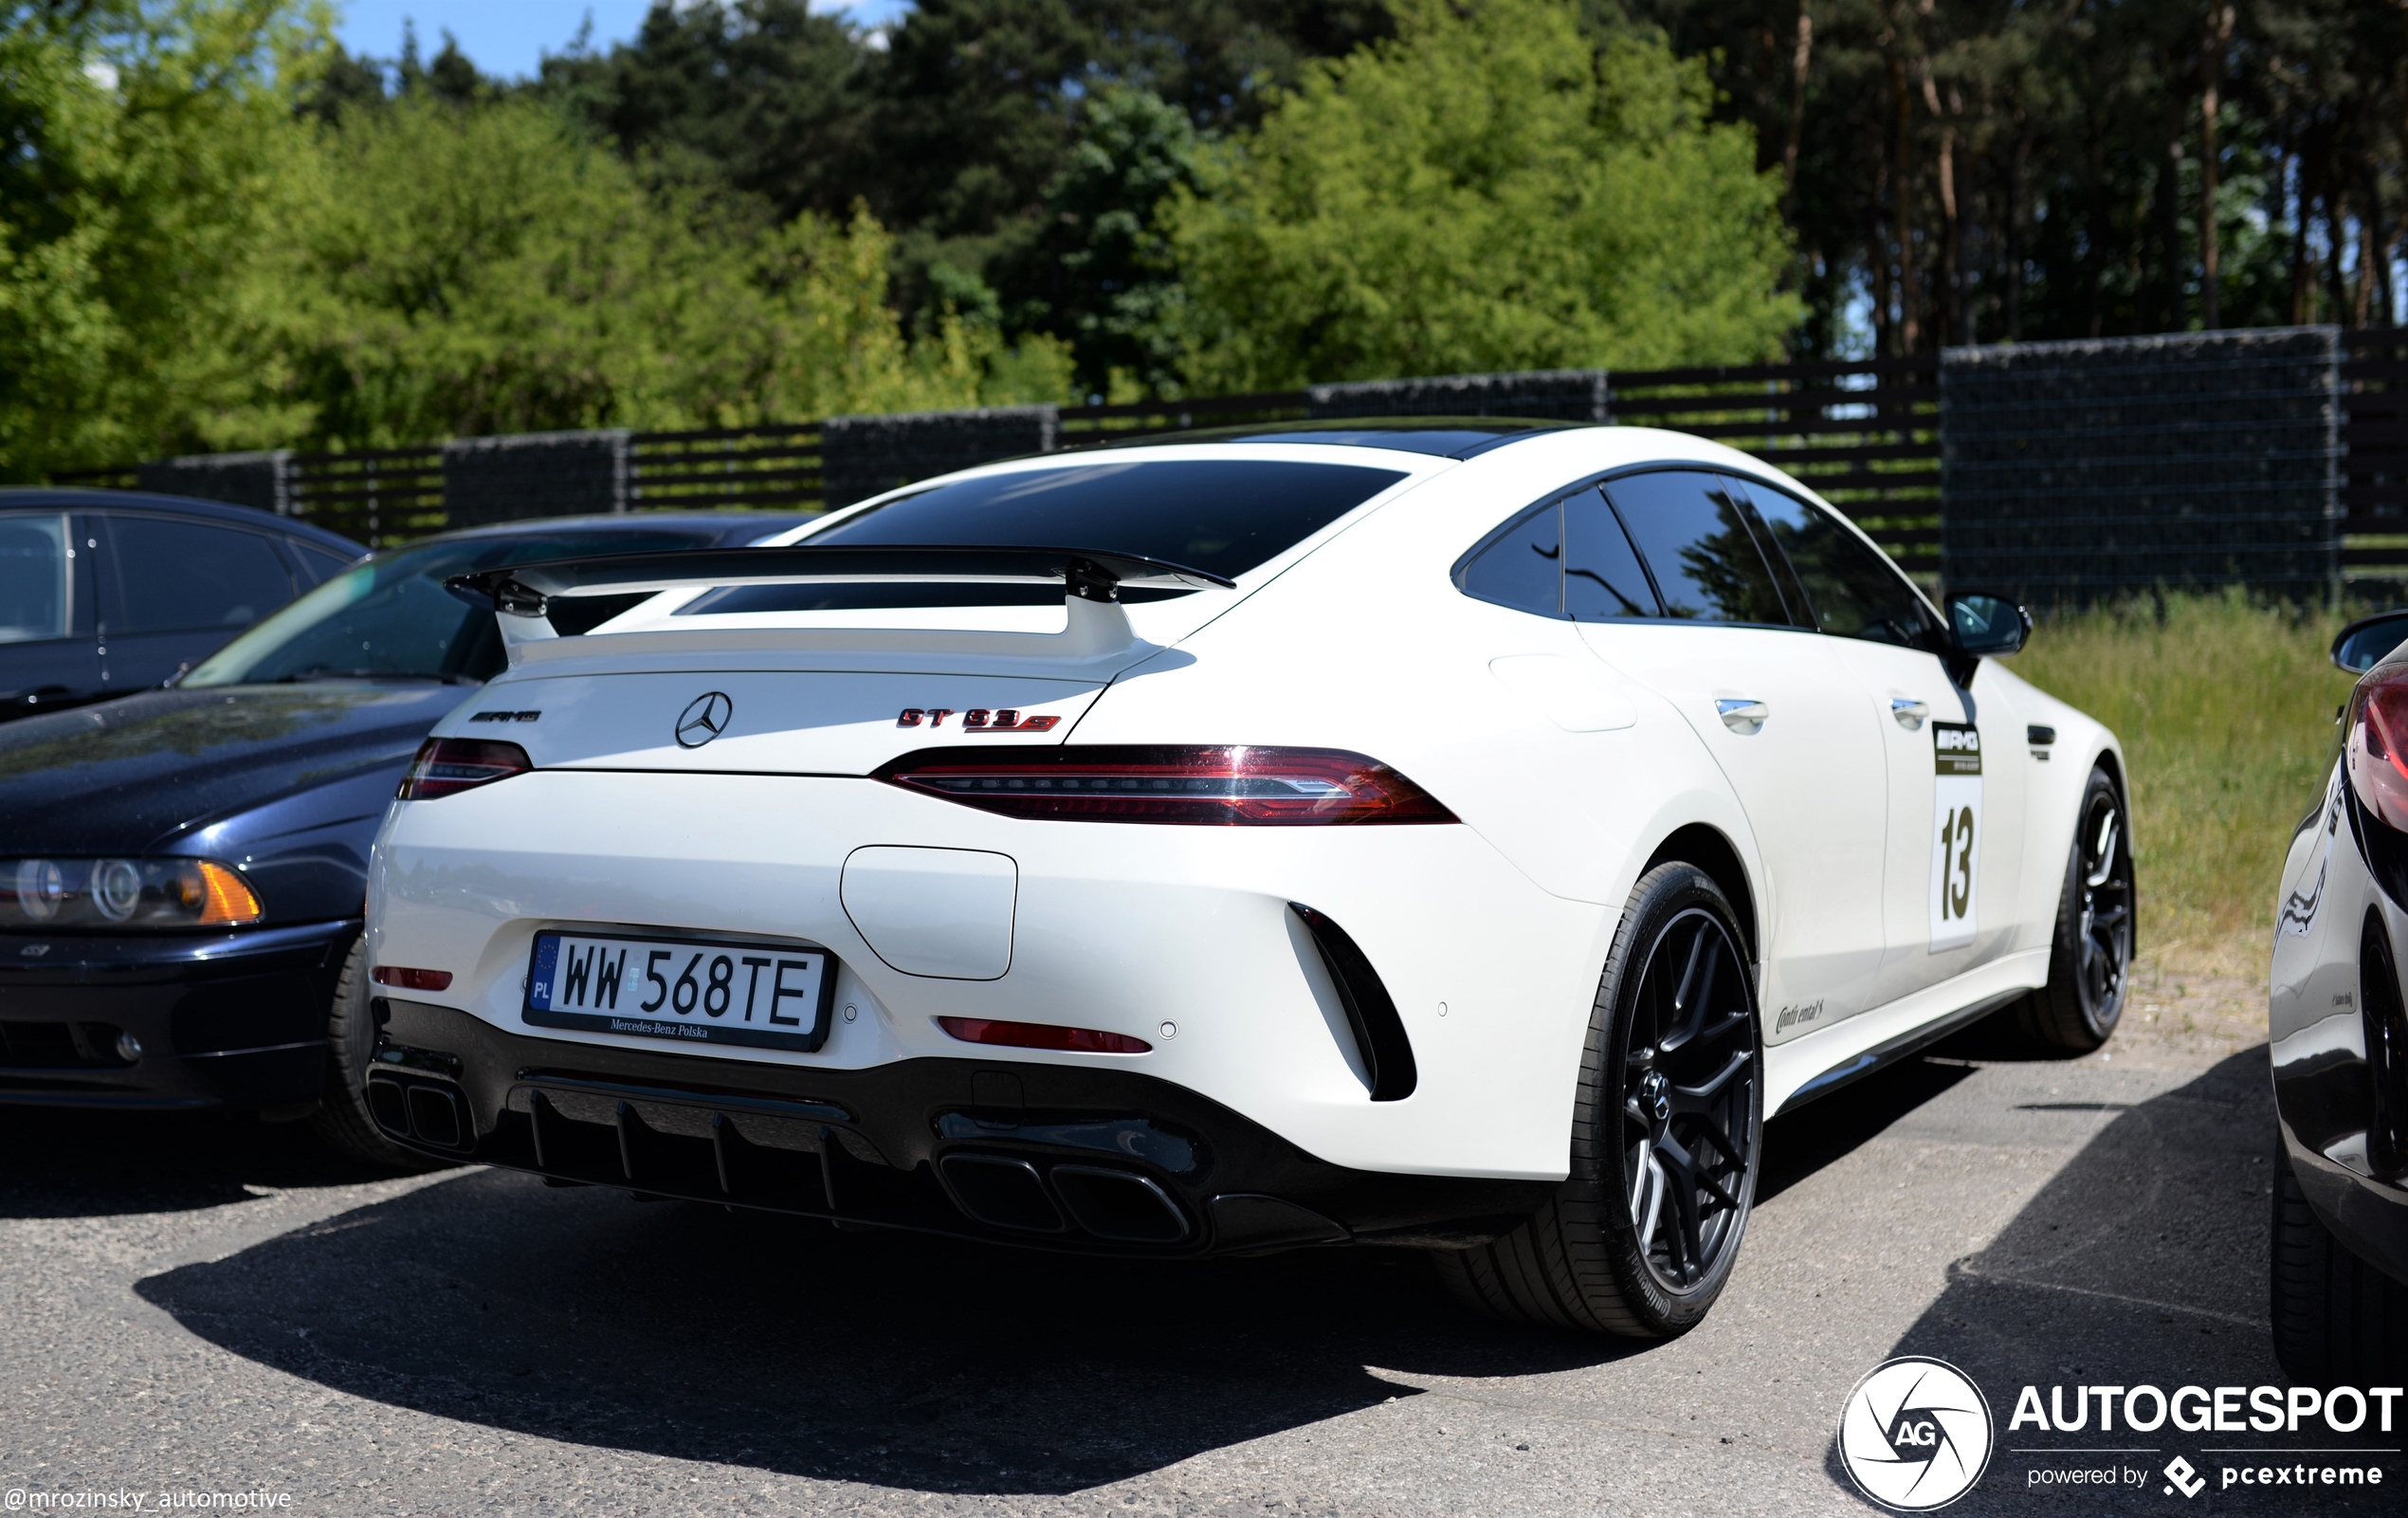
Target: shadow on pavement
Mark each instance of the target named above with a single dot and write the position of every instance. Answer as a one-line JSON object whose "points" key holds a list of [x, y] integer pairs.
{"points": [[904, 1361], [1824, 1131], [2143, 1262], [59, 1163]]}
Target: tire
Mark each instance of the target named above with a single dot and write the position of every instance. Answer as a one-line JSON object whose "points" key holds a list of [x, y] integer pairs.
{"points": [[1631, 1244], [2338, 1321], [2090, 951], [341, 1120]]}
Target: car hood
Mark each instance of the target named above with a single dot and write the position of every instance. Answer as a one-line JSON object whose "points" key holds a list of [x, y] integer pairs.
{"points": [[130, 774]]}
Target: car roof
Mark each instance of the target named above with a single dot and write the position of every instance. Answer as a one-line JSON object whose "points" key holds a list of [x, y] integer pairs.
{"points": [[72, 499], [1449, 437]]}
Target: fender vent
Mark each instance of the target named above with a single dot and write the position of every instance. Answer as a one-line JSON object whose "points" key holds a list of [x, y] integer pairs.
{"points": [[1380, 1034]]}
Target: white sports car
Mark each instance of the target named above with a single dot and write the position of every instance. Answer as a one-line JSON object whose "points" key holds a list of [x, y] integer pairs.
{"points": [[1456, 834]]}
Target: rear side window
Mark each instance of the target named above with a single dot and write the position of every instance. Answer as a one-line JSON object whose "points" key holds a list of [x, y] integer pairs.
{"points": [[1222, 515], [1693, 531], [1852, 589], [1601, 573], [34, 579], [1567, 558], [187, 576], [1523, 567]]}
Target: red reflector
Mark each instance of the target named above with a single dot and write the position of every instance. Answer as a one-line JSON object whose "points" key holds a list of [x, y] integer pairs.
{"points": [[408, 979], [1042, 1036], [445, 766], [1219, 785]]}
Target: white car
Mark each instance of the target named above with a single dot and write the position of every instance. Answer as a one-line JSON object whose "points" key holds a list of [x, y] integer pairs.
{"points": [[1454, 834], [2338, 1042]]}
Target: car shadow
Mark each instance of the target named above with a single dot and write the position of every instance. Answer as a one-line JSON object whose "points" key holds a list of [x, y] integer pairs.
{"points": [[65, 1162], [1798, 1144], [912, 1362], [908, 1362], [2142, 1262]]}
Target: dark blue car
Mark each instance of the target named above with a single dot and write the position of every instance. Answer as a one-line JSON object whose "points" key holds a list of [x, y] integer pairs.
{"points": [[105, 592], [182, 871]]}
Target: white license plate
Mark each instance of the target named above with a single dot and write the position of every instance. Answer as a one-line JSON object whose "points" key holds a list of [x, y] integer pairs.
{"points": [[768, 995]]}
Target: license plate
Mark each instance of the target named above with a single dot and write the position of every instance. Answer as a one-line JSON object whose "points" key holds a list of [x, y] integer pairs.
{"points": [[766, 996]]}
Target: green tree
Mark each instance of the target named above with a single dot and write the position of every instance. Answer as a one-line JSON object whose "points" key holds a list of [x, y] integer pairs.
{"points": [[140, 151], [461, 270], [1102, 278], [1488, 191], [958, 125]]}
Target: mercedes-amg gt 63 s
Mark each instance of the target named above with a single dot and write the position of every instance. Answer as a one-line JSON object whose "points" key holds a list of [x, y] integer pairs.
{"points": [[1453, 834], [2339, 1039]]}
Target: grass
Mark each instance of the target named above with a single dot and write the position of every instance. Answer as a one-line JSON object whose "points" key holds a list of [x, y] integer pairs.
{"points": [[2225, 709]]}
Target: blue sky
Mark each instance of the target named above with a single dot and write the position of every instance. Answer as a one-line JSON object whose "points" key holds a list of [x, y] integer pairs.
{"points": [[506, 37]]}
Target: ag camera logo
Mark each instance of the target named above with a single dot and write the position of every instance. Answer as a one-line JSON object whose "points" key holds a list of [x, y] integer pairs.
{"points": [[1915, 1434]]}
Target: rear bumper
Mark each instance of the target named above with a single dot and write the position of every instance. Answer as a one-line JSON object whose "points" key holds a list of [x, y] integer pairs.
{"points": [[227, 1020], [1185, 939], [1057, 1156]]}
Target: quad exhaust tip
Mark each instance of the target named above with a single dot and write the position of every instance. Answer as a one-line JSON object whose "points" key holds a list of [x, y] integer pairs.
{"points": [[1009, 1193], [422, 1111]]}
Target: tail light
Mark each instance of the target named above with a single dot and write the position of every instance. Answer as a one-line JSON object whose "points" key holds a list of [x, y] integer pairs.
{"points": [[1230, 784], [446, 766], [2378, 745]]}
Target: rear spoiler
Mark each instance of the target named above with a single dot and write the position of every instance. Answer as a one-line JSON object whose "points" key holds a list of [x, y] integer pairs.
{"points": [[1090, 578]]}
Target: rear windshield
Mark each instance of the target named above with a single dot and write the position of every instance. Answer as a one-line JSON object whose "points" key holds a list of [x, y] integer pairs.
{"points": [[1223, 515]]}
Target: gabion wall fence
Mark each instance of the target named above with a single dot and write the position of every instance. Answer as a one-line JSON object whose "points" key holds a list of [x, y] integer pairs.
{"points": [[2077, 471]]}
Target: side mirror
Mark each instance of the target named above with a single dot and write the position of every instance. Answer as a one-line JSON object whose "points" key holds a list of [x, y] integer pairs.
{"points": [[1988, 626], [2362, 644]]}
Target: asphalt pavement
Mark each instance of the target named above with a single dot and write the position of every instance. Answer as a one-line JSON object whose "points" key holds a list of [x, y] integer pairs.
{"points": [[201, 1306]]}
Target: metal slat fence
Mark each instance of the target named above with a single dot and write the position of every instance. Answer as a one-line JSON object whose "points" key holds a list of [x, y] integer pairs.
{"points": [[374, 496], [1864, 435], [769, 468]]}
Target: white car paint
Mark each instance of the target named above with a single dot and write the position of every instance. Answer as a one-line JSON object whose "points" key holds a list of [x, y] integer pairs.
{"points": [[1569, 751]]}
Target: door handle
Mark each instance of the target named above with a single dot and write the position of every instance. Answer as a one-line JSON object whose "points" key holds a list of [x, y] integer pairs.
{"points": [[1910, 714], [1743, 715]]}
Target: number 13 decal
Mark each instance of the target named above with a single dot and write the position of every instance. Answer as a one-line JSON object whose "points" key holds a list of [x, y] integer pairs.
{"points": [[1956, 844]]}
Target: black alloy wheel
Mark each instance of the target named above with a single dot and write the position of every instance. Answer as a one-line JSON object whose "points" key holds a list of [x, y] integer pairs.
{"points": [[1688, 1101], [1666, 1134], [2090, 954]]}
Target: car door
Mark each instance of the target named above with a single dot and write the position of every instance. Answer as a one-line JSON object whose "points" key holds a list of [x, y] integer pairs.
{"points": [[47, 656], [1788, 726], [178, 589], [1954, 763]]}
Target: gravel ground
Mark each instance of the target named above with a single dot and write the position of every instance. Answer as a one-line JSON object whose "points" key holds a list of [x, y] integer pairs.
{"points": [[204, 1306]]}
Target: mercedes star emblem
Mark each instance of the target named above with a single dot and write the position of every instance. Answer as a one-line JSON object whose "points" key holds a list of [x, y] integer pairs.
{"points": [[705, 718]]}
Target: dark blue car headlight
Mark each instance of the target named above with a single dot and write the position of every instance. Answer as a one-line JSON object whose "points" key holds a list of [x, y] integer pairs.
{"points": [[124, 893]]}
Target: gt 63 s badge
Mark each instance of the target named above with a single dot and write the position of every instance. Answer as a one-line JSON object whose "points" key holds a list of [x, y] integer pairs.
{"points": [[977, 719]]}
